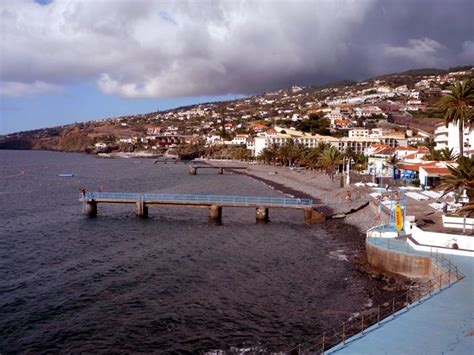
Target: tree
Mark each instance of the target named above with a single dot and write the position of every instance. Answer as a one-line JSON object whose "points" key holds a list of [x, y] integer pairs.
{"points": [[460, 180], [444, 154], [456, 107], [447, 154], [241, 153], [329, 160], [310, 158], [360, 162], [290, 152], [393, 161], [269, 155]]}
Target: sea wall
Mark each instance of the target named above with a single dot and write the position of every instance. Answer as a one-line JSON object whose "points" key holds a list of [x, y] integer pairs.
{"points": [[414, 266]]}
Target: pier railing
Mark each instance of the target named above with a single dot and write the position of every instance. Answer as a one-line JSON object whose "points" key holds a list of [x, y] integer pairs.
{"points": [[212, 199], [359, 325]]}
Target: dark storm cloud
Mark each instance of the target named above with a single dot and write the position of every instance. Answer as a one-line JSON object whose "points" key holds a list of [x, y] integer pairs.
{"points": [[146, 49]]}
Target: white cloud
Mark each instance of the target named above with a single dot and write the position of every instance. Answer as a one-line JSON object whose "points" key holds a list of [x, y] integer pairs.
{"points": [[145, 49], [16, 89], [423, 51], [152, 49]]}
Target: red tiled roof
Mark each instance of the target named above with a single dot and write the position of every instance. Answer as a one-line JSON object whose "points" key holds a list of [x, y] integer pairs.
{"points": [[385, 151], [410, 156], [436, 170], [406, 148], [378, 145], [411, 167]]}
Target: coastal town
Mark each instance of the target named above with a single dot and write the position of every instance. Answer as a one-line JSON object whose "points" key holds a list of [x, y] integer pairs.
{"points": [[383, 155], [388, 126], [235, 177]]}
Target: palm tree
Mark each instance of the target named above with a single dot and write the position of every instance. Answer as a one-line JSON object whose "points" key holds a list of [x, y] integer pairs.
{"points": [[433, 154], [290, 152], [322, 146], [360, 162], [269, 154], [393, 161], [447, 154], [457, 109], [329, 160], [460, 180], [310, 158]]}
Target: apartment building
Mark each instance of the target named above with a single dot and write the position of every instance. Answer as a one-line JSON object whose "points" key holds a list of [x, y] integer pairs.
{"points": [[448, 137]]}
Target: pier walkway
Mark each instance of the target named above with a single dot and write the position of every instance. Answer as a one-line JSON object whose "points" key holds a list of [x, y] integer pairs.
{"points": [[194, 168], [172, 161], [215, 203]]}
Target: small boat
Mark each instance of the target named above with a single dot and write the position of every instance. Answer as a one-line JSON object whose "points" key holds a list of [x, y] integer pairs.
{"points": [[65, 175]]}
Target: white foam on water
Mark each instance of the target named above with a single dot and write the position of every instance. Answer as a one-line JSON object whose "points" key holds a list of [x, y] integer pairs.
{"points": [[338, 255]]}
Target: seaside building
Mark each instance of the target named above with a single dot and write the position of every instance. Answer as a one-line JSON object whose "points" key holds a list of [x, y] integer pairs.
{"points": [[358, 132], [448, 137], [356, 144], [428, 174]]}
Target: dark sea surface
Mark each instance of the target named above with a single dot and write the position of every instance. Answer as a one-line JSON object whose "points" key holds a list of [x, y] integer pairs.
{"points": [[173, 283]]}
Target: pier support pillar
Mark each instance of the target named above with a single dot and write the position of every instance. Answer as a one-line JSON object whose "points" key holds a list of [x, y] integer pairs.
{"points": [[262, 214], [141, 209], [192, 170], [221, 171], [91, 208], [312, 216], [215, 213]]}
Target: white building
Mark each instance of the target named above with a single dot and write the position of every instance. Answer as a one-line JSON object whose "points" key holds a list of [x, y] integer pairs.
{"points": [[356, 144], [448, 137], [240, 139], [368, 111], [358, 132]]}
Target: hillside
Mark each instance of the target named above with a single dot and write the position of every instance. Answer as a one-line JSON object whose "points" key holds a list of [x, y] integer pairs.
{"points": [[407, 99]]}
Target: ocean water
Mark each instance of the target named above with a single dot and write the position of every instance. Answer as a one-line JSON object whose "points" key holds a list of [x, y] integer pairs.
{"points": [[173, 283]]}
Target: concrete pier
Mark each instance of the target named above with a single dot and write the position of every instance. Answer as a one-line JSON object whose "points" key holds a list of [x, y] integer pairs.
{"points": [[91, 208], [215, 213], [141, 209], [262, 214], [220, 169], [312, 216], [214, 203]]}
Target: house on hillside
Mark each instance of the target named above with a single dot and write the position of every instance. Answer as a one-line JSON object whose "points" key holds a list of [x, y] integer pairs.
{"points": [[260, 128], [153, 130], [240, 139], [417, 139], [379, 156]]}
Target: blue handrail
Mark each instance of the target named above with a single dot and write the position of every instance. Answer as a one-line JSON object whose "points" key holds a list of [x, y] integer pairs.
{"points": [[245, 200]]}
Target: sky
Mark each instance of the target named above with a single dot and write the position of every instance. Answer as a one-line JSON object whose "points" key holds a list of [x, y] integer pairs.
{"points": [[65, 61]]}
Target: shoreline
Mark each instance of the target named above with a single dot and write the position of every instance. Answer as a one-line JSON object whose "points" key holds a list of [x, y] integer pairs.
{"points": [[348, 234]]}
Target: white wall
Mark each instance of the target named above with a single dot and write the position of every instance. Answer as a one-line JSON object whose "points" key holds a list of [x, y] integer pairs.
{"points": [[443, 240], [453, 137], [260, 144]]}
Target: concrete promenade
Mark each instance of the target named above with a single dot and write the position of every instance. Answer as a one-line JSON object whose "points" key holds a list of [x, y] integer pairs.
{"points": [[442, 323]]}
